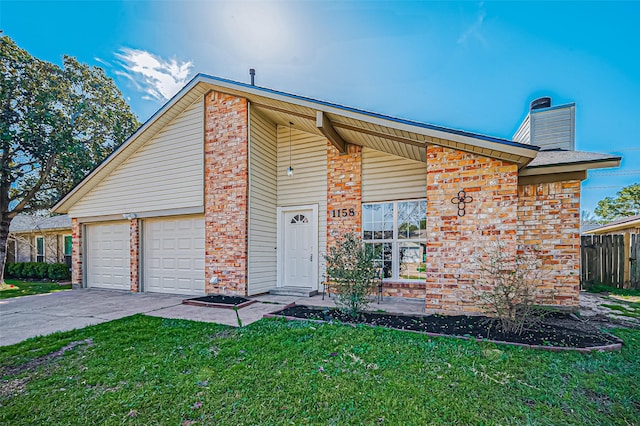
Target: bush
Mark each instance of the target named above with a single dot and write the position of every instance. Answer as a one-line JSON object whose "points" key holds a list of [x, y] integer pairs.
{"points": [[38, 270], [58, 272], [352, 271], [507, 287]]}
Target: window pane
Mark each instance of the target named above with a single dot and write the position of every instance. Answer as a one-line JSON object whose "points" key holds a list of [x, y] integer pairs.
{"points": [[377, 221], [412, 220], [68, 245], [383, 256], [412, 261], [40, 246]]}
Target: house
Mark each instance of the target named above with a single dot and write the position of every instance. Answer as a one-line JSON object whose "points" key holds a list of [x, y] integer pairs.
{"points": [[40, 239], [626, 225], [237, 189]]}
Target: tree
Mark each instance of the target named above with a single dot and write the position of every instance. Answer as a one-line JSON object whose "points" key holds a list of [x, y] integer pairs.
{"points": [[56, 124], [626, 203]]}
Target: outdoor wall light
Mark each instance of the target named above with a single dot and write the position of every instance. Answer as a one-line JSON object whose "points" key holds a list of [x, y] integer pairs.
{"points": [[290, 169], [130, 216]]}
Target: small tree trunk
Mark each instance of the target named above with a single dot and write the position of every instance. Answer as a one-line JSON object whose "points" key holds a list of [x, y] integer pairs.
{"points": [[5, 221]]}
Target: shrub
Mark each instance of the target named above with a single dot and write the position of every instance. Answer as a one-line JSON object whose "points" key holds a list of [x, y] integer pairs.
{"points": [[352, 270], [28, 270], [38, 270], [508, 284], [58, 271], [41, 270]]}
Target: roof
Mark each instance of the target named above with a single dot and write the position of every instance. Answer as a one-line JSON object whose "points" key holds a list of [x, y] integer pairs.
{"points": [[617, 225], [560, 160], [23, 223], [339, 124]]}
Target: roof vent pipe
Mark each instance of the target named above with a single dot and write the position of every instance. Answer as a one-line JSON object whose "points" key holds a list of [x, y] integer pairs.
{"points": [[252, 73], [540, 103]]}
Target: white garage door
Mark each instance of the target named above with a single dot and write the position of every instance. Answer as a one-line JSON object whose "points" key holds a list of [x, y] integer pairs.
{"points": [[108, 255], [174, 255]]}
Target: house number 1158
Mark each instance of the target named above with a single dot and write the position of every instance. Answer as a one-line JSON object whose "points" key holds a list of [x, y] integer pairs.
{"points": [[343, 212]]}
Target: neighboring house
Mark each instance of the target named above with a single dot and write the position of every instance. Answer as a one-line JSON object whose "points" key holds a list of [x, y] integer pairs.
{"points": [[626, 225], [40, 239], [236, 189]]}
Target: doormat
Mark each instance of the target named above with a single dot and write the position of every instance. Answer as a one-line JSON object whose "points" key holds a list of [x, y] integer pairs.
{"points": [[219, 301]]}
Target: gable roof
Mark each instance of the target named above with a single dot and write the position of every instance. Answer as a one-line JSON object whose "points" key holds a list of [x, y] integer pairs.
{"points": [[27, 223], [339, 124]]}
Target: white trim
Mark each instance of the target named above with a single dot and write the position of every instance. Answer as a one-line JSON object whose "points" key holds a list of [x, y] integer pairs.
{"points": [[44, 249], [281, 211]]}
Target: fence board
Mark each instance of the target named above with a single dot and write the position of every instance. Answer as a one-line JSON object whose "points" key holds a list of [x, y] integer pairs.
{"points": [[603, 261]]}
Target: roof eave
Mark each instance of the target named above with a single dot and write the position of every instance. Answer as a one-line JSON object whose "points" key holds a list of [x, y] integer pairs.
{"points": [[616, 227], [571, 167]]}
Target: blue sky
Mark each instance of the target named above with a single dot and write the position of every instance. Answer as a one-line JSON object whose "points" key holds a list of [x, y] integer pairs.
{"points": [[468, 65]]}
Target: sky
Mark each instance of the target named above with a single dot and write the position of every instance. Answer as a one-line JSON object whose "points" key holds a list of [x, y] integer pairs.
{"points": [[473, 66]]}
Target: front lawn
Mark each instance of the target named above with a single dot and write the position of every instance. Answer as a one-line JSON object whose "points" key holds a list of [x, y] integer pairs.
{"points": [[147, 370], [15, 288]]}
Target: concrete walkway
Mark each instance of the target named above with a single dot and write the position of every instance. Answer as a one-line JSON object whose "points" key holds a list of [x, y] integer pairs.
{"points": [[30, 316]]}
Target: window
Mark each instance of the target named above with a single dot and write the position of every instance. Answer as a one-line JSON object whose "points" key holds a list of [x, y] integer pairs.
{"points": [[396, 230], [68, 247], [39, 249]]}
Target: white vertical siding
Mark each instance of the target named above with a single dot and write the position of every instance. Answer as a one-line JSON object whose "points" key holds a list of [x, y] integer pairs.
{"points": [[262, 205], [523, 135], [387, 177], [308, 185], [554, 128], [165, 173]]}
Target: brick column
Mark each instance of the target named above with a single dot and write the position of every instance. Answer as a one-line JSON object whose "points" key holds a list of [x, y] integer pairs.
{"points": [[134, 249], [344, 191], [452, 239], [76, 253], [226, 186], [549, 219]]}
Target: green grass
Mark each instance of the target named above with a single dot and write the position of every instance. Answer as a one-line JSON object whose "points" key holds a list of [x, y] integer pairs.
{"points": [[602, 288], [26, 288], [147, 370]]}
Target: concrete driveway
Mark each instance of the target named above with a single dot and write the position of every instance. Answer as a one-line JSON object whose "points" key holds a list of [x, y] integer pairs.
{"points": [[29, 316]]}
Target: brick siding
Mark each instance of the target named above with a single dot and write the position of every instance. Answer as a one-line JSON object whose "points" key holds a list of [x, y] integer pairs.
{"points": [[451, 239], [134, 255], [226, 193], [344, 190], [549, 219], [76, 253]]}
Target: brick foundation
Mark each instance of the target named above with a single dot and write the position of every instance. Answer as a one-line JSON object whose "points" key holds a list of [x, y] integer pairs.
{"points": [[226, 193], [549, 219], [344, 191], [452, 239], [413, 290], [76, 253], [134, 253]]}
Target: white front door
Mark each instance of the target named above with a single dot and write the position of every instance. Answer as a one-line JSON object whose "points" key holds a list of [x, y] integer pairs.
{"points": [[298, 247]]}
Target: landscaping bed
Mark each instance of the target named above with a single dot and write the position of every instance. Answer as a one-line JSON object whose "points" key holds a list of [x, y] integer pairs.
{"points": [[558, 331], [219, 301]]}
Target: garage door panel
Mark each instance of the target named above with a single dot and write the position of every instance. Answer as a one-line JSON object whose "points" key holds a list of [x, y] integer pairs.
{"points": [[174, 255], [108, 255]]}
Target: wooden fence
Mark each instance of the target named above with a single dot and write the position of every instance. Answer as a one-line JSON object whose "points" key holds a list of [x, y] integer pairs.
{"points": [[611, 259]]}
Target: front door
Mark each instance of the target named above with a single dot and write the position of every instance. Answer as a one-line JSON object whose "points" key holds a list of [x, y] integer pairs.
{"points": [[298, 248]]}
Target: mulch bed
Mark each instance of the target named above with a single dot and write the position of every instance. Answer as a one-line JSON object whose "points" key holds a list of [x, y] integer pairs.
{"points": [[219, 301], [558, 331]]}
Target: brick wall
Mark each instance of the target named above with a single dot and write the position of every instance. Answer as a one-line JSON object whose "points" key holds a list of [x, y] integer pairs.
{"points": [[134, 253], [226, 193], [344, 191], [76, 253], [451, 239], [549, 219]]}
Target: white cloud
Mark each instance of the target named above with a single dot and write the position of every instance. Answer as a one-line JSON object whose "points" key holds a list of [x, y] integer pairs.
{"points": [[158, 78], [475, 30]]}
